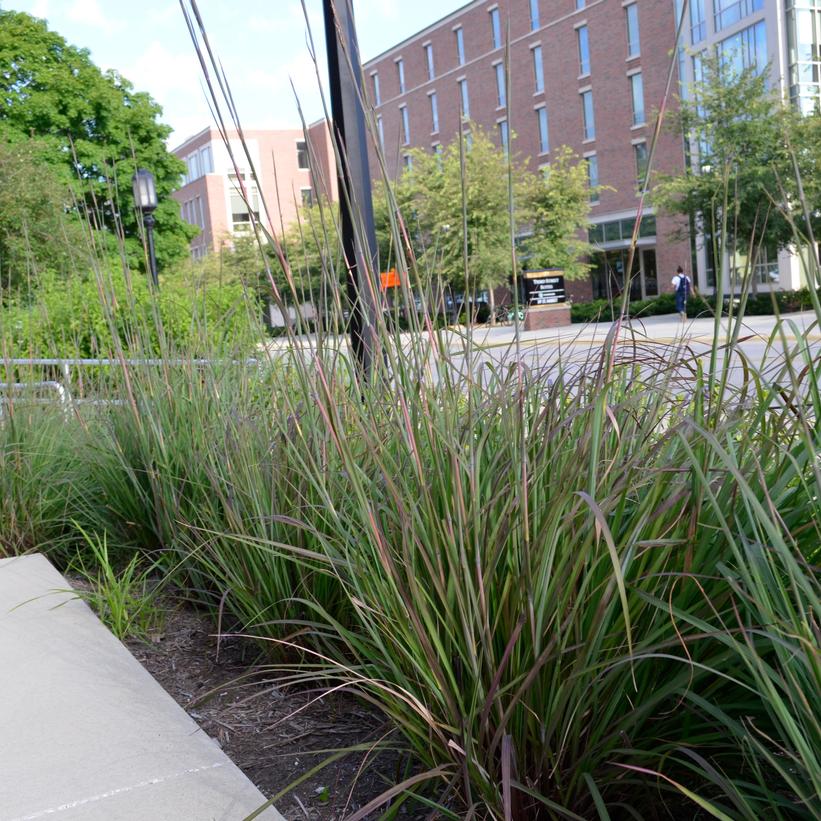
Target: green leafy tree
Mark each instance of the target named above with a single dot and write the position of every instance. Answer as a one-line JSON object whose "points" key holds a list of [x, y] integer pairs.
{"points": [[557, 206], [314, 254], [39, 228], [746, 145], [458, 220], [97, 129]]}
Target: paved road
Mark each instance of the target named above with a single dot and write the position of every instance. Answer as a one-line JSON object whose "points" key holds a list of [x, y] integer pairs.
{"points": [[663, 338]]}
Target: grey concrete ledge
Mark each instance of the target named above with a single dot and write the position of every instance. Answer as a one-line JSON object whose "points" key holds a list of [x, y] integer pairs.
{"points": [[86, 734]]}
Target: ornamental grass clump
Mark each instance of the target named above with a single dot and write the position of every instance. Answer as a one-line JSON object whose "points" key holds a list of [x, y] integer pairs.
{"points": [[580, 581]]}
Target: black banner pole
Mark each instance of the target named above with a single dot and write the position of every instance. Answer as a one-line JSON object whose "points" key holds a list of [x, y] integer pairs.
{"points": [[355, 205]]}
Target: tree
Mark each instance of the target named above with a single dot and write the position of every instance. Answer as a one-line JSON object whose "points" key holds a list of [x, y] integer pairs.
{"points": [[425, 208], [557, 206], [742, 174], [97, 130], [39, 228], [459, 223], [439, 203]]}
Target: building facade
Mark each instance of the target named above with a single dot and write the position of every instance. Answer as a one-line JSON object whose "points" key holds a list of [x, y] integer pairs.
{"points": [[783, 38], [291, 170], [592, 75], [585, 75]]}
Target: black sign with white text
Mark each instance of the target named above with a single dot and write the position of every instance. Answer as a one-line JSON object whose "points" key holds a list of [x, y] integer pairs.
{"points": [[544, 287]]}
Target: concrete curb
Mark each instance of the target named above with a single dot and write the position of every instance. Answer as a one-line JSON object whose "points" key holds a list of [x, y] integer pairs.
{"points": [[87, 733]]}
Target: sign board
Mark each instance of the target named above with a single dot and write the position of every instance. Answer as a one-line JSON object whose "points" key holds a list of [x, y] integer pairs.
{"points": [[389, 279], [545, 287]]}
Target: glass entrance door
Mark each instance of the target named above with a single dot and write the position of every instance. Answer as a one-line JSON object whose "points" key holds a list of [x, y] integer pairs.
{"points": [[649, 273]]}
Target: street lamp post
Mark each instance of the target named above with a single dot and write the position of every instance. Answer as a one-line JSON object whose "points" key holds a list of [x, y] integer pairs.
{"points": [[145, 198], [355, 205]]}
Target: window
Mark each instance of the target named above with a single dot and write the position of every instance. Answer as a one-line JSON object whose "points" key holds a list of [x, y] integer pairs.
{"points": [[632, 12], [804, 54], [504, 135], [377, 96], [640, 150], [302, 155], [501, 95], [463, 93], [381, 131], [403, 112], [207, 160], [468, 140], [698, 21], [495, 28], [584, 50], [460, 46], [429, 61], [307, 195], [538, 69], [765, 269], [728, 12], [434, 112], [544, 143], [587, 113], [193, 163], [579, 4], [637, 95], [621, 230], [400, 71], [407, 161], [200, 215], [593, 176], [240, 211], [534, 15], [746, 49]]}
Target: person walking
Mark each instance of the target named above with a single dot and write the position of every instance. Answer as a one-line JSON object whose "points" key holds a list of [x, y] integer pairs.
{"points": [[682, 285]]}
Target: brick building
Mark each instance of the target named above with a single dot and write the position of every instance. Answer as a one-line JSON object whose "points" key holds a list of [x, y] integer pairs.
{"points": [[210, 193], [590, 75]]}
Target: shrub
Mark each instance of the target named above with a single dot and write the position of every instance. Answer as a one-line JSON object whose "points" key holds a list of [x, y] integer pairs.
{"points": [[83, 316], [602, 310]]}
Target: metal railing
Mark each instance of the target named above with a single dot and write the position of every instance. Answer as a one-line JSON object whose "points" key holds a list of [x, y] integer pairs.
{"points": [[62, 390]]}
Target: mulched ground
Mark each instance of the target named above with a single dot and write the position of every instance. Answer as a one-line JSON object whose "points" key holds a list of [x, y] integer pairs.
{"points": [[258, 726]]}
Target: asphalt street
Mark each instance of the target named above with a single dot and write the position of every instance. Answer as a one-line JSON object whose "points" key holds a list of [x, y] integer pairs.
{"points": [[761, 343]]}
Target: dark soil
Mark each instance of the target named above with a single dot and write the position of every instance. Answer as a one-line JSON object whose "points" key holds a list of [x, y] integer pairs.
{"points": [[273, 735]]}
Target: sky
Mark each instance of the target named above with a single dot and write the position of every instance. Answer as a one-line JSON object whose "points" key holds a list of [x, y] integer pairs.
{"points": [[263, 46]]}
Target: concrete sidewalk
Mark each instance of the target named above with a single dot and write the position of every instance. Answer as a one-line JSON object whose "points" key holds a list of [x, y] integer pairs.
{"points": [[85, 732], [667, 328]]}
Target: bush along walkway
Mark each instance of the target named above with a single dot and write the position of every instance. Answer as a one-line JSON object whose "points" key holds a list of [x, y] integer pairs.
{"points": [[762, 304]]}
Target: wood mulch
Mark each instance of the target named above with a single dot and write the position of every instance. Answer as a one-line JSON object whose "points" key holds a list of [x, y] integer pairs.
{"points": [[275, 736]]}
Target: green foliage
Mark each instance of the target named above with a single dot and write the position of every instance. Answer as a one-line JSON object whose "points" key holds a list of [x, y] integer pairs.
{"points": [[556, 207], [763, 304], [97, 130], [749, 143], [42, 480], [39, 228], [123, 598], [515, 628], [90, 316]]}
